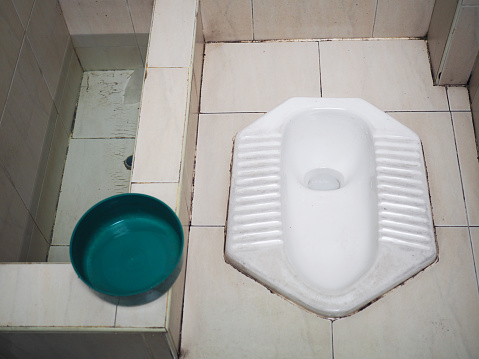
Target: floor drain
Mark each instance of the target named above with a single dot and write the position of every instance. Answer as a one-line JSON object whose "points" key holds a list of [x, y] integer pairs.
{"points": [[128, 162]]}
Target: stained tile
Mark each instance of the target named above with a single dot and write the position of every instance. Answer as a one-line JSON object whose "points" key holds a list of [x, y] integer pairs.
{"points": [[162, 119], [408, 18], [172, 29], [466, 149], [285, 19], [214, 152], [436, 133], [458, 97], [221, 303], [256, 77], [94, 170], [105, 109], [433, 315], [36, 286], [393, 75], [227, 20]]}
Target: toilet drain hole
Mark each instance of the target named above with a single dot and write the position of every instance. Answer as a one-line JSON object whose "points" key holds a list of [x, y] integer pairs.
{"points": [[323, 179]]}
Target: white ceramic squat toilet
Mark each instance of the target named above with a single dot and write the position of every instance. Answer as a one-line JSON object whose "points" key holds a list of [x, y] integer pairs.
{"points": [[329, 204]]}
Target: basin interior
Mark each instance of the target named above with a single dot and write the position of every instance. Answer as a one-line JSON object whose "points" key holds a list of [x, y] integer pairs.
{"points": [[329, 195]]}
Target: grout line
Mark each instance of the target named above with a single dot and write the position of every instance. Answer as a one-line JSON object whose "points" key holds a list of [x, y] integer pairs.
{"points": [[465, 202], [231, 113], [417, 111], [374, 21], [184, 292], [332, 339], [134, 31], [324, 39], [116, 311], [473, 257], [15, 70], [449, 106], [252, 18], [450, 226], [207, 225], [168, 67], [320, 80], [103, 138]]}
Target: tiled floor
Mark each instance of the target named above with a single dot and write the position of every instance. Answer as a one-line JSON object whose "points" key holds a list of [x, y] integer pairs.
{"points": [[433, 315], [103, 136]]}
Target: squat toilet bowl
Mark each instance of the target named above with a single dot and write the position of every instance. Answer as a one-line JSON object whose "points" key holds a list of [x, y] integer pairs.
{"points": [[329, 204]]}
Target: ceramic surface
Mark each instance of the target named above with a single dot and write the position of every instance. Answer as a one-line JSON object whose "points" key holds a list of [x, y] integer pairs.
{"points": [[329, 204]]}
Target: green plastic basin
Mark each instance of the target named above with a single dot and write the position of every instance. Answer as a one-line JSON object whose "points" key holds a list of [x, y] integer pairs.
{"points": [[127, 244]]}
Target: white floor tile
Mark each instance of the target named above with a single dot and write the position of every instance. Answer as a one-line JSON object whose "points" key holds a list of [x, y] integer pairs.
{"points": [[108, 104], [59, 254], [212, 175], [256, 77], [466, 149], [436, 133], [458, 98], [228, 315], [94, 170], [393, 75], [433, 315]]}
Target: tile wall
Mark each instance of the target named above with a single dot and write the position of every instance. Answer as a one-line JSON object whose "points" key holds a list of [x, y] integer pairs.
{"points": [[39, 83], [233, 20], [453, 40], [109, 35], [473, 86]]}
